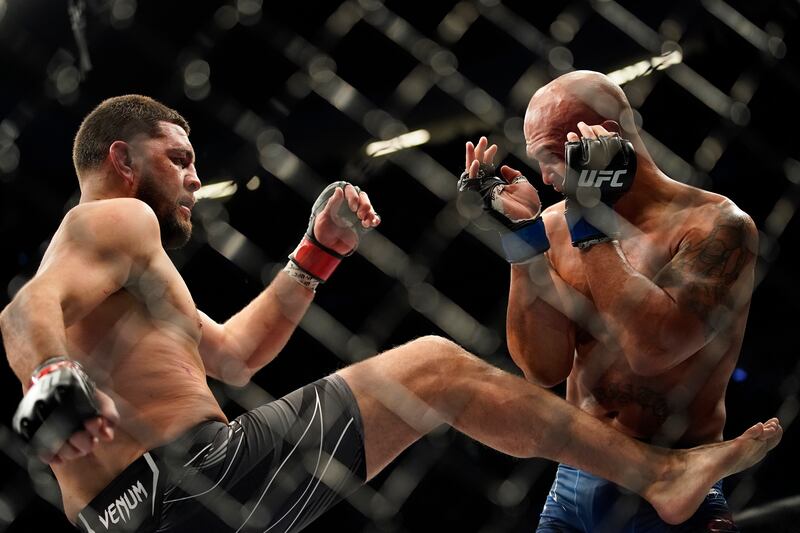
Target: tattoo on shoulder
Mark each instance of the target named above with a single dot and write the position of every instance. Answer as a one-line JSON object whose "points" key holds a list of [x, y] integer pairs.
{"points": [[708, 268]]}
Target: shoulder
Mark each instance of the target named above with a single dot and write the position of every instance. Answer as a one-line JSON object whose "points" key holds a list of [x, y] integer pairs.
{"points": [[118, 222], [715, 214], [716, 232]]}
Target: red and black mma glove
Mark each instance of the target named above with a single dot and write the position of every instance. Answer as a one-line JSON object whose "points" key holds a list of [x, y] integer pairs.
{"points": [[313, 257], [522, 239], [598, 173], [60, 399]]}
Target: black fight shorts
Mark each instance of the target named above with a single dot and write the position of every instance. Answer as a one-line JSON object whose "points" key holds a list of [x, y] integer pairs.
{"points": [[273, 469]]}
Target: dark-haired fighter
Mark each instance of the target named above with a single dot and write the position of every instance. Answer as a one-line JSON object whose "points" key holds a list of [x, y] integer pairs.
{"points": [[107, 307], [635, 290]]}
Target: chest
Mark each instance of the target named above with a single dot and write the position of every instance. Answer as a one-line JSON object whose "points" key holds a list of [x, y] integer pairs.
{"points": [[156, 310], [644, 250]]}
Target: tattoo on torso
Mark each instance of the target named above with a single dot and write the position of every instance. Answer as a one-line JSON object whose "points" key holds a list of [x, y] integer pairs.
{"points": [[624, 394]]}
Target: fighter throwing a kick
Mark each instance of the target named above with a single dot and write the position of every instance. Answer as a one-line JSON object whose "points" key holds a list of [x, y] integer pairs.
{"points": [[113, 357]]}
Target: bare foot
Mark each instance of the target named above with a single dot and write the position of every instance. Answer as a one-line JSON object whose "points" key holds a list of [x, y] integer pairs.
{"points": [[686, 483]]}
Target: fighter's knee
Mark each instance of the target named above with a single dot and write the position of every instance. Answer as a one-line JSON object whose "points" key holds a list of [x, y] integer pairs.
{"points": [[436, 344], [438, 356]]}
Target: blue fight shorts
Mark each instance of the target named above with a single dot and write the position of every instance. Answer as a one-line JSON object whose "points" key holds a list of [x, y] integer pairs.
{"points": [[274, 469], [582, 503]]}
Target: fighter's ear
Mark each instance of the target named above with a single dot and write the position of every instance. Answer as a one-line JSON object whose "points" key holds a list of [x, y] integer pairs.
{"points": [[120, 155], [612, 126]]}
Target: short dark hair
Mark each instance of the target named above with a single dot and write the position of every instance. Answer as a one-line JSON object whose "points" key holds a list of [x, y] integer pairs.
{"points": [[119, 119]]}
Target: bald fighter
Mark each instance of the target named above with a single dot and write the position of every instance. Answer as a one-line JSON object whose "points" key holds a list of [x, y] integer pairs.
{"points": [[113, 358], [634, 289]]}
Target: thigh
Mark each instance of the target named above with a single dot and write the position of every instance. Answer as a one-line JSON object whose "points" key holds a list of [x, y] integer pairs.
{"points": [[279, 466], [389, 389]]}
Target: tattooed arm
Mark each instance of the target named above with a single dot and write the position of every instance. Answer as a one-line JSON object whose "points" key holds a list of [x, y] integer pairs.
{"points": [[660, 323]]}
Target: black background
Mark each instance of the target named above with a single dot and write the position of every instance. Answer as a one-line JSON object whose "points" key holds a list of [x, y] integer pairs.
{"points": [[457, 483]]}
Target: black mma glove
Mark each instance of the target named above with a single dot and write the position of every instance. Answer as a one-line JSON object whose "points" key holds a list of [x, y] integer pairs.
{"points": [[60, 399], [598, 173], [524, 239], [313, 257]]}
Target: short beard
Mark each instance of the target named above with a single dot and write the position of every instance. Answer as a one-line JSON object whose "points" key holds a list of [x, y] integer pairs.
{"points": [[174, 232]]}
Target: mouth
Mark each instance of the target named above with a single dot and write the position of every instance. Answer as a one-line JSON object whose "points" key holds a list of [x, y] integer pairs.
{"points": [[186, 206]]}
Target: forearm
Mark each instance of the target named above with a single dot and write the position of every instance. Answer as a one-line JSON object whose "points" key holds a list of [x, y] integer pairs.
{"points": [[33, 330], [649, 325], [264, 326], [540, 336]]}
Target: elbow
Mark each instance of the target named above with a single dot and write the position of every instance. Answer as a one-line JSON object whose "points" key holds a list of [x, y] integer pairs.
{"points": [[539, 370], [651, 361], [546, 380], [4, 317], [656, 352], [239, 381], [235, 373]]}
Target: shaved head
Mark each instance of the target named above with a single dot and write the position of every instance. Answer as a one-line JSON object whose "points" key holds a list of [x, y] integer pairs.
{"points": [[556, 108]]}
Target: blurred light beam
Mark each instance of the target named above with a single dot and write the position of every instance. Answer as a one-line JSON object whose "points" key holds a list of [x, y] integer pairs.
{"points": [[645, 67], [401, 142], [222, 189]]}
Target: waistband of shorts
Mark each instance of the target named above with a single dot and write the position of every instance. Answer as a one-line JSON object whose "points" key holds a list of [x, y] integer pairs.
{"points": [[141, 483]]}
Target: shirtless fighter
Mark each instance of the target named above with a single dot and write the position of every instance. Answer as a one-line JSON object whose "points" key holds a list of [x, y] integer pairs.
{"points": [[113, 358], [635, 289]]}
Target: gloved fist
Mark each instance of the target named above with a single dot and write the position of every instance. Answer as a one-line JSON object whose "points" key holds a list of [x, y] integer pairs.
{"points": [[508, 198], [339, 216], [61, 414], [599, 171]]}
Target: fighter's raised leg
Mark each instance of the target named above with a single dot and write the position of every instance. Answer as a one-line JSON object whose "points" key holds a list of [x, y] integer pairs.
{"points": [[408, 391]]}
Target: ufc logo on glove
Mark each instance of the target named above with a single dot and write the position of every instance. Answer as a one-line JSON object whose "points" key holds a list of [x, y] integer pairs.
{"points": [[598, 173], [596, 178]]}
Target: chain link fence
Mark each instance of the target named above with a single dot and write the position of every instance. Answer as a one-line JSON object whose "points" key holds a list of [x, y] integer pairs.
{"points": [[285, 99]]}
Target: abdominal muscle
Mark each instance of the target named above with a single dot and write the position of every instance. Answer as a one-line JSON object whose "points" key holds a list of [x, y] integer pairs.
{"points": [[645, 407], [158, 383]]}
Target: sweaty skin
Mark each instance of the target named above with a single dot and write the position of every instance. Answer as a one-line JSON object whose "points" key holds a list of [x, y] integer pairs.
{"points": [[148, 345], [646, 330], [108, 295], [126, 314]]}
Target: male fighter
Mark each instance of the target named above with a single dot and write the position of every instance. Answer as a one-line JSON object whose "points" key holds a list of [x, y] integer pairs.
{"points": [[113, 358], [635, 289]]}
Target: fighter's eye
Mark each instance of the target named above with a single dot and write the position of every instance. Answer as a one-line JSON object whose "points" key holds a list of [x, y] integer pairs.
{"points": [[180, 161], [551, 159]]}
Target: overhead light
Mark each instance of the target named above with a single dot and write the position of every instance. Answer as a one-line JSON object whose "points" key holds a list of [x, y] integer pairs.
{"points": [[401, 142], [645, 67], [221, 189]]}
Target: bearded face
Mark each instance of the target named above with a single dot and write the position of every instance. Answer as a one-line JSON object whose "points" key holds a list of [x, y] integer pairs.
{"points": [[167, 181], [176, 225]]}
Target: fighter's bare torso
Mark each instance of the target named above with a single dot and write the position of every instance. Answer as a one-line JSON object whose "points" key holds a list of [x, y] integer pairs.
{"points": [[685, 404], [141, 346]]}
